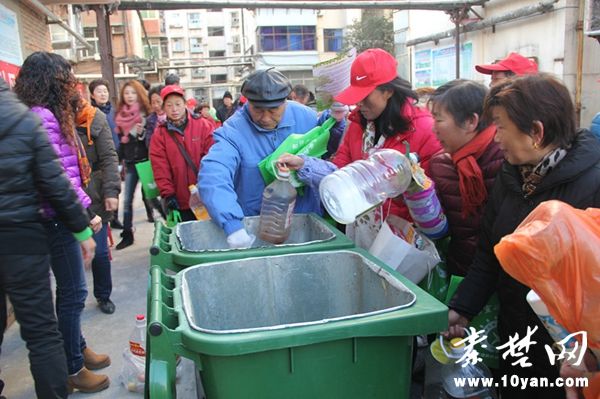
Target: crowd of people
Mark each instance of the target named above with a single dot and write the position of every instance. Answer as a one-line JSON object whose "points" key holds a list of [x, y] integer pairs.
{"points": [[493, 155]]}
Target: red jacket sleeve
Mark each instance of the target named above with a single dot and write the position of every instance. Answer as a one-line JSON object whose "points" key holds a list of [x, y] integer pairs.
{"points": [[160, 164]]}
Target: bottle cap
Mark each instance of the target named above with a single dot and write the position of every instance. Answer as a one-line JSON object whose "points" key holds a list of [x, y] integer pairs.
{"points": [[283, 171], [140, 317]]}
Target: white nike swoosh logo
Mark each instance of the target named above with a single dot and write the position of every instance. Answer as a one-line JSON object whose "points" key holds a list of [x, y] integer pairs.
{"points": [[361, 77]]}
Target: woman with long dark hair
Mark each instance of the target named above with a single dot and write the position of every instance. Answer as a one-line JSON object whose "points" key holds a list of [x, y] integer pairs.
{"points": [[46, 84], [386, 116]]}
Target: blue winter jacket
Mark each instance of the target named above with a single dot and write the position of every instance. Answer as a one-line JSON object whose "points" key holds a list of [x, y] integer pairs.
{"points": [[595, 128], [229, 181]]}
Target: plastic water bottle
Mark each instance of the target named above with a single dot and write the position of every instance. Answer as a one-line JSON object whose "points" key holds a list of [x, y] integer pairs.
{"points": [[362, 185], [279, 199], [196, 204], [452, 371], [137, 339], [556, 331]]}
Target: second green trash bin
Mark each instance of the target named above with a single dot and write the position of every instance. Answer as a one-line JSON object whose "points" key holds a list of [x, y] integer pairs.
{"points": [[334, 324]]}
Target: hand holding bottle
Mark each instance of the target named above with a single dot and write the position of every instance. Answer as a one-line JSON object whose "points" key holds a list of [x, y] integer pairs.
{"points": [[292, 162], [456, 325]]}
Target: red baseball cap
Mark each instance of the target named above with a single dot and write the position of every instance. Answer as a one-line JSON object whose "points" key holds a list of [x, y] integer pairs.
{"points": [[171, 89], [370, 69], [514, 62]]}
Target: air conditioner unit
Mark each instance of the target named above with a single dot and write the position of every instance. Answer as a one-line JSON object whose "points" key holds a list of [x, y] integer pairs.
{"points": [[592, 18]]}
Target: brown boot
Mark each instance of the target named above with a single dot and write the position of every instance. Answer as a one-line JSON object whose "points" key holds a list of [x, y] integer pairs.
{"points": [[94, 361], [87, 382]]}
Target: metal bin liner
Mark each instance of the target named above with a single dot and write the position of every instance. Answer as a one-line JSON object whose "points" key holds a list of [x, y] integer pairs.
{"points": [[275, 292]]}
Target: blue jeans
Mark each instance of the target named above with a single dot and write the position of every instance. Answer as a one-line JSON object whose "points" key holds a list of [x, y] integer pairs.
{"points": [[131, 182], [101, 265], [71, 290]]}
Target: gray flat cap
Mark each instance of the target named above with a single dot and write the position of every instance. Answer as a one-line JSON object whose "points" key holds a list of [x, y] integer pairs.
{"points": [[267, 88]]}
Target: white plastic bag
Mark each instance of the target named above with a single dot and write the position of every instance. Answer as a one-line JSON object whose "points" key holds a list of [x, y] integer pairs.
{"points": [[133, 373], [402, 248]]}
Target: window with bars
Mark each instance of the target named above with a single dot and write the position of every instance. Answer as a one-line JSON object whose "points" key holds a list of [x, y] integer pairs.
{"points": [[216, 53], [287, 38], [196, 45], [216, 31], [177, 45], [235, 19], [219, 78], [117, 29], [155, 51], [199, 73], [91, 36], [194, 20], [333, 39]]}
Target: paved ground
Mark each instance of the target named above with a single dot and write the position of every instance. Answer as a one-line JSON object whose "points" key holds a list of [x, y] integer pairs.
{"points": [[104, 333]]}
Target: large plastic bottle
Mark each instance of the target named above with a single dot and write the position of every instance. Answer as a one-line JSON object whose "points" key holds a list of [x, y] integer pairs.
{"points": [[362, 185], [196, 204], [137, 339], [556, 331], [453, 370], [279, 199]]}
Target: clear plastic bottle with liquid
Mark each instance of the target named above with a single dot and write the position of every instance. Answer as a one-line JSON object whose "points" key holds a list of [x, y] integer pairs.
{"points": [[455, 372], [196, 204], [360, 186], [279, 199], [137, 339]]}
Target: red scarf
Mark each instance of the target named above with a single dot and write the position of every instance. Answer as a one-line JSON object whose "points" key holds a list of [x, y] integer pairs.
{"points": [[127, 117], [472, 187]]}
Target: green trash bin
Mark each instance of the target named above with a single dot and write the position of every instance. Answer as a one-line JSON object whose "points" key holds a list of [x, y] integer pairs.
{"points": [[333, 324], [192, 243]]}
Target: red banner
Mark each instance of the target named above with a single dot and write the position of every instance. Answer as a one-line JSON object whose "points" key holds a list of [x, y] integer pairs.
{"points": [[9, 73]]}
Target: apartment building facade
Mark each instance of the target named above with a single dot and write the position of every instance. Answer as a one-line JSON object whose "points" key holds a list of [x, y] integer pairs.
{"points": [[210, 50], [293, 40]]}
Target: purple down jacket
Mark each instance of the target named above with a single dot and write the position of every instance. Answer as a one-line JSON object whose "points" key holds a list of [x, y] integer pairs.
{"points": [[67, 154]]}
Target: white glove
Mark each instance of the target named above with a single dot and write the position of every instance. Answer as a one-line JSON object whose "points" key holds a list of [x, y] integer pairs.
{"points": [[240, 239]]}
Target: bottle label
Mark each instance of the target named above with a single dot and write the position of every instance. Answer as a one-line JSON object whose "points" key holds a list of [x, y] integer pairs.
{"points": [[136, 348], [289, 213]]}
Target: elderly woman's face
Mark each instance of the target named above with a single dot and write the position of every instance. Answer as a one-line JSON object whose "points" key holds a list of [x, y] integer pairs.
{"points": [[373, 105], [174, 106], [516, 144], [451, 136]]}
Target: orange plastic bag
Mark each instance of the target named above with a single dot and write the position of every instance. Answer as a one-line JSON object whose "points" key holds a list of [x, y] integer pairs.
{"points": [[556, 252]]}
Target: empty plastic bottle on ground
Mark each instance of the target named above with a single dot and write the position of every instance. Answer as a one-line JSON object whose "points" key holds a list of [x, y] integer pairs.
{"points": [[277, 208], [360, 186], [454, 373], [137, 339], [196, 204], [134, 358]]}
